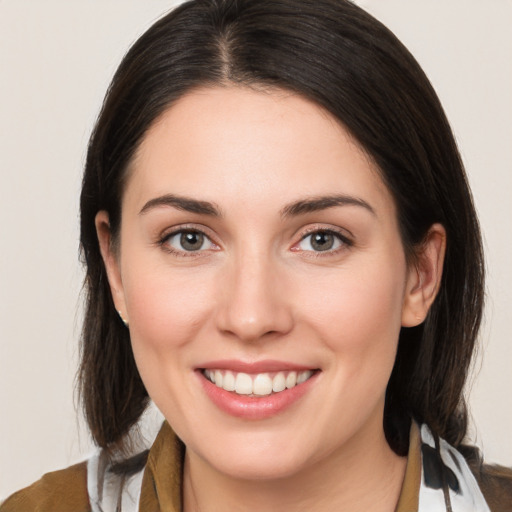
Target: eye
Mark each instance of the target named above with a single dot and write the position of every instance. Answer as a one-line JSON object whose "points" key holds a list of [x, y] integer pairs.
{"points": [[188, 241], [322, 241]]}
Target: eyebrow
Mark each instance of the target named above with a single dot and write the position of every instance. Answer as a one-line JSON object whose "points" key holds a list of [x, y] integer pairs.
{"points": [[182, 203], [296, 208], [315, 204]]}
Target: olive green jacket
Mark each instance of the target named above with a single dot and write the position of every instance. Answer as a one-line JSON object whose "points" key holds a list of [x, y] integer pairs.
{"points": [[69, 491]]}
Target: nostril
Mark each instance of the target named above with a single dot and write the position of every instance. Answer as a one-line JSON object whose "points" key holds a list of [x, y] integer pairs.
{"points": [[252, 303]]}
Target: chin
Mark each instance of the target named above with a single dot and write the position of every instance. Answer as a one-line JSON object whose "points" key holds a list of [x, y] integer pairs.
{"points": [[259, 468], [254, 455]]}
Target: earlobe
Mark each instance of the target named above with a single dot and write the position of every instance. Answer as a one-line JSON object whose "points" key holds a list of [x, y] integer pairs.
{"points": [[111, 262], [424, 277]]}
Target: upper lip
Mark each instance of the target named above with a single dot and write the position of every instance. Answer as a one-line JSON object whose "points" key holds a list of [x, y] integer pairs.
{"points": [[264, 366]]}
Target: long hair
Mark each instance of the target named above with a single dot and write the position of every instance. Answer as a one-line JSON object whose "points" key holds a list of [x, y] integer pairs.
{"points": [[339, 56]]}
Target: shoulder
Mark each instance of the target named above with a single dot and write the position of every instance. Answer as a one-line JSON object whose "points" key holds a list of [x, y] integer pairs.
{"points": [[59, 491], [471, 484], [496, 485]]}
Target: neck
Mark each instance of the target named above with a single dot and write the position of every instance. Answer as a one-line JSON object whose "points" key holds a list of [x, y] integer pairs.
{"points": [[365, 476]]}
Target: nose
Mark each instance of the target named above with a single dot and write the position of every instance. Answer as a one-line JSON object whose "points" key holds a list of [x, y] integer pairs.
{"points": [[254, 303]]}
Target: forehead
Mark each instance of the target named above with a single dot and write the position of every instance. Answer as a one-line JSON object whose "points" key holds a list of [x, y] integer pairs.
{"points": [[235, 143]]}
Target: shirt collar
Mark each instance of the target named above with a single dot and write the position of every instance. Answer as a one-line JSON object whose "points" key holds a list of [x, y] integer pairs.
{"points": [[162, 481]]}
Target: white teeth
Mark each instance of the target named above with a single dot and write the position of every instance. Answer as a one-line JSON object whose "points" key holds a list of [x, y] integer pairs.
{"points": [[301, 377], [291, 380], [279, 383], [218, 378], [262, 384], [243, 384], [229, 382]]}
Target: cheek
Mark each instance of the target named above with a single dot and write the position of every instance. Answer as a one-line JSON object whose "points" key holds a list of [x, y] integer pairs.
{"points": [[357, 313], [166, 311], [166, 307]]}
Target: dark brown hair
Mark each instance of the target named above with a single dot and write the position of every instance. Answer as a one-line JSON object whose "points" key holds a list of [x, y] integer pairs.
{"points": [[337, 55]]}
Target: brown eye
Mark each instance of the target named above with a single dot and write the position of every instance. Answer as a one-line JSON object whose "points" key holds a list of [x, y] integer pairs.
{"points": [[321, 241], [188, 241], [192, 240]]}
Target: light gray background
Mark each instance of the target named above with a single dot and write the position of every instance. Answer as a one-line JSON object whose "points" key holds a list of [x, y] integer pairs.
{"points": [[56, 59]]}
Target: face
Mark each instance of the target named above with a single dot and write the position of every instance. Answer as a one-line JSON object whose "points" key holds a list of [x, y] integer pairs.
{"points": [[259, 248]]}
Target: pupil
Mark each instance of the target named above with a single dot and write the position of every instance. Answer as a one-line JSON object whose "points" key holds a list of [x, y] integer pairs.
{"points": [[322, 241], [191, 241]]}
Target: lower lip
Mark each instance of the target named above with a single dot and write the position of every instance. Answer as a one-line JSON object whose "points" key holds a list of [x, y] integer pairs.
{"points": [[251, 407]]}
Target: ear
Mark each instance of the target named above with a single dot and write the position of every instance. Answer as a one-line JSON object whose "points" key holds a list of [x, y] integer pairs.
{"points": [[111, 261], [424, 277]]}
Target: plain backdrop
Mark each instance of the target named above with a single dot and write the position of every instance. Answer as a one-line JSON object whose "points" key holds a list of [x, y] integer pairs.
{"points": [[56, 60]]}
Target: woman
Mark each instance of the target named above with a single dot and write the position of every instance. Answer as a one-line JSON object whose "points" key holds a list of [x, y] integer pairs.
{"points": [[282, 253]]}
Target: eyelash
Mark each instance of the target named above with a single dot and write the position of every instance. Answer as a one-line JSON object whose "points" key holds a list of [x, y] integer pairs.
{"points": [[342, 239], [164, 241]]}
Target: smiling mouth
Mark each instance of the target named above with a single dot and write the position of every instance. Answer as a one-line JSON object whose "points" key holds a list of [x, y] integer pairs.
{"points": [[260, 384]]}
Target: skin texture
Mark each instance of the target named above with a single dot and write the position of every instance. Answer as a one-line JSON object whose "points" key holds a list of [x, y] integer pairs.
{"points": [[257, 290]]}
